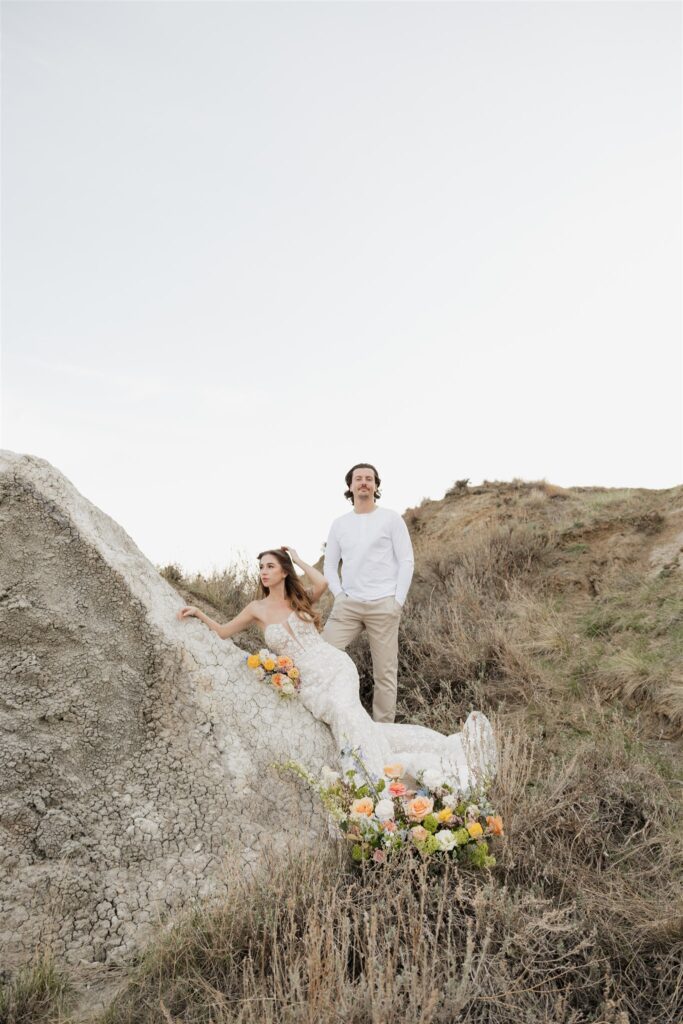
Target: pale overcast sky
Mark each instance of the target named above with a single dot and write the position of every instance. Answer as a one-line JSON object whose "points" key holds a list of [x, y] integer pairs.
{"points": [[246, 245]]}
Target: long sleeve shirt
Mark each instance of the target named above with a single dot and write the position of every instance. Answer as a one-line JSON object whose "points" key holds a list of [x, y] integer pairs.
{"points": [[376, 555]]}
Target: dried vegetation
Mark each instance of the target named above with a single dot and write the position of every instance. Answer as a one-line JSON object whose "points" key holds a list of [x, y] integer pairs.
{"points": [[560, 612]]}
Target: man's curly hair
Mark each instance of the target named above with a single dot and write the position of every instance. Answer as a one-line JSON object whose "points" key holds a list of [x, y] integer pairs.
{"points": [[349, 478]]}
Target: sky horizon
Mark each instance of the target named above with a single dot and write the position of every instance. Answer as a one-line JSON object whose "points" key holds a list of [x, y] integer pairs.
{"points": [[245, 246]]}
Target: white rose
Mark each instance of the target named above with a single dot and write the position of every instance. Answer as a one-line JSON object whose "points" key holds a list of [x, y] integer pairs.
{"points": [[260, 672], [385, 810], [432, 779], [472, 812], [445, 839], [328, 777], [288, 688], [264, 653], [450, 801]]}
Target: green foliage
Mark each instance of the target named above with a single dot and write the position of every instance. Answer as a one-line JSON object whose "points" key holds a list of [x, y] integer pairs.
{"points": [[462, 836], [478, 855]]}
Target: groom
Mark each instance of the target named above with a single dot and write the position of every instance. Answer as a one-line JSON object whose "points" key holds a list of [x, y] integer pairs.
{"points": [[377, 567]]}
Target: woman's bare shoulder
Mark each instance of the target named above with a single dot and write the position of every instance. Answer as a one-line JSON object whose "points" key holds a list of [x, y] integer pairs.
{"points": [[257, 609]]}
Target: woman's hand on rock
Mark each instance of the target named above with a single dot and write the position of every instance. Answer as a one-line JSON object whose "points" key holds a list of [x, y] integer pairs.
{"points": [[188, 612]]}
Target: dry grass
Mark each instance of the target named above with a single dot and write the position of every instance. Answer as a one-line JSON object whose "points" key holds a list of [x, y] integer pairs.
{"points": [[220, 594], [577, 922], [470, 625], [632, 646], [37, 994], [536, 606]]}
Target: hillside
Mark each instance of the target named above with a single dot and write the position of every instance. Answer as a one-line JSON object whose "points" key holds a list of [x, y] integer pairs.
{"points": [[133, 747], [560, 612], [537, 590]]}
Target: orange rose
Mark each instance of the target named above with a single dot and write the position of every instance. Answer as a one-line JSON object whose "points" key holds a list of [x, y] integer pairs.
{"points": [[419, 807], [475, 829], [278, 680], [284, 663], [495, 824], [363, 806], [397, 789], [393, 771]]}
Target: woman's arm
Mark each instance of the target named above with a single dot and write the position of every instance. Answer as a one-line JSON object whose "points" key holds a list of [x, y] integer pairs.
{"points": [[318, 581], [245, 618]]}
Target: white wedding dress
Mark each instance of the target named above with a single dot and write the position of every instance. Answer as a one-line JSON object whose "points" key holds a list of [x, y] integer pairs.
{"points": [[330, 691]]}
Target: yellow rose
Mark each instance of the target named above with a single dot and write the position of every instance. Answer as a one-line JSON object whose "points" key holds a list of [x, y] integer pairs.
{"points": [[445, 814], [293, 673], [363, 806], [253, 661], [419, 807], [269, 664], [475, 829]]}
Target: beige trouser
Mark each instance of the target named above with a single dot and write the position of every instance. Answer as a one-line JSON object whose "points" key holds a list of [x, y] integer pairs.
{"points": [[380, 620]]}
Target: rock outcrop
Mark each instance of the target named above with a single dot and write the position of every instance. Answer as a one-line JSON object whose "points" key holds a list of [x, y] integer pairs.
{"points": [[136, 751]]}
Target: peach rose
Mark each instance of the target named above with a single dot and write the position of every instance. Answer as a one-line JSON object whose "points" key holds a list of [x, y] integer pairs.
{"points": [[284, 663], [418, 833], [397, 789], [495, 824], [364, 807], [419, 807], [293, 673], [475, 829], [393, 771], [389, 825], [278, 680]]}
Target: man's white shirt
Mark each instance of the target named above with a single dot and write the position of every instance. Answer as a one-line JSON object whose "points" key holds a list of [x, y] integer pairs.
{"points": [[376, 553]]}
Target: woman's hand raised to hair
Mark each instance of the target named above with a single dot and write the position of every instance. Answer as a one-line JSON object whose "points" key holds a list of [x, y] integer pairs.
{"points": [[294, 555], [188, 612]]}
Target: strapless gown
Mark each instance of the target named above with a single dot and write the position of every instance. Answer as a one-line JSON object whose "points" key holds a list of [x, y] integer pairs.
{"points": [[330, 691]]}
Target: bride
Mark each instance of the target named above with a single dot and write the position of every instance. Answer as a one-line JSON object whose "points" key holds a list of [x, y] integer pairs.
{"points": [[286, 613]]}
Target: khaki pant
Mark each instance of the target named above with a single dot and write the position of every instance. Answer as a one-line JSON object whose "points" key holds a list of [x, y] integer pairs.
{"points": [[380, 620]]}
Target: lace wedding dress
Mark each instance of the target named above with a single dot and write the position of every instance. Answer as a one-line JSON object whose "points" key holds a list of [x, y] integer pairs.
{"points": [[329, 689]]}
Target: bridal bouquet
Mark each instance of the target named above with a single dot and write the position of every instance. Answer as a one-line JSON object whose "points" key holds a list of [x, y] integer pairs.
{"points": [[277, 670], [380, 816]]}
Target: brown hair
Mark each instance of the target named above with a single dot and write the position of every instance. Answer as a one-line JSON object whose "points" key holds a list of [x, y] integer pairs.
{"points": [[294, 588], [349, 478]]}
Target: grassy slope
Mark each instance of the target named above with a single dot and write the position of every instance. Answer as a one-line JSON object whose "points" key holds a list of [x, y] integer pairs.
{"points": [[577, 592], [559, 612]]}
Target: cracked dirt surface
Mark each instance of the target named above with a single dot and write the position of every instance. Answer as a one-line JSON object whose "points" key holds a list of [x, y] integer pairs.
{"points": [[135, 750]]}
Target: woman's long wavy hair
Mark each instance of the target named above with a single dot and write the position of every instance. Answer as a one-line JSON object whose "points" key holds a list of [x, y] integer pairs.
{"points": [[294, 589]]}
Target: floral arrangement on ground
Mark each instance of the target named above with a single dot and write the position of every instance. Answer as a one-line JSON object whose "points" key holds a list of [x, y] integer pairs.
{"points": [[380, 816]]}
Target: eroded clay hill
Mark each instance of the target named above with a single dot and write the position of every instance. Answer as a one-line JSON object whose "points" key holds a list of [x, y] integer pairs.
{"points": [[135, 750]]}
